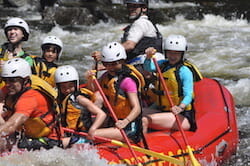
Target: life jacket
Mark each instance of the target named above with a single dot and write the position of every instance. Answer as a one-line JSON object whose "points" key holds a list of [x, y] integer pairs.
{"points": [[45, 70], [143, 44], [35, 127], [4, 54], [174, 85], [74, 115], [117, 98]]}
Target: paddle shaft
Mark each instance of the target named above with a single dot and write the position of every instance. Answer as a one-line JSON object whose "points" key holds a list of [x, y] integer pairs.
{"points": [[176, 116], [139, 149], [115, 118], [169, 99]]}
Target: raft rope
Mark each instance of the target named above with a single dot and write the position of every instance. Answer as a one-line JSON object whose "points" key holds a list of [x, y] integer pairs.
{"points": [[199, 150]]}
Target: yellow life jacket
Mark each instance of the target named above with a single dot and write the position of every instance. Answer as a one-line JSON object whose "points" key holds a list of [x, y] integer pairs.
{"points": [[197, 76], [75, 116], [44, 70], [3, 54], [173, 83], [118, 101]]}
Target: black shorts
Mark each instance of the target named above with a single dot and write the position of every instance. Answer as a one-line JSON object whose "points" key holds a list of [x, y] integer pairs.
{"points": [[190, 115]]}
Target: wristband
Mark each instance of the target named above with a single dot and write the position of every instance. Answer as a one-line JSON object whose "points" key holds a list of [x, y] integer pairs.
{"points": [[181, 107]]}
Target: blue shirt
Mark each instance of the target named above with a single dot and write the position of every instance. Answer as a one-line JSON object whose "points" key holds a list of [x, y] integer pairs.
{"points": [[186, 77]]}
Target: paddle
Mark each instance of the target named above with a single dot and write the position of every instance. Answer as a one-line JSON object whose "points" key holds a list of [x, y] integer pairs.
{"points": [[114, 117], [139, 149], [190, 152]]}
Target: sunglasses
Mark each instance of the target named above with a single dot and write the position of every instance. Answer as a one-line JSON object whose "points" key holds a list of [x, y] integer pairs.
{"points": [[110, 63], [12, 79], [134, 6]]}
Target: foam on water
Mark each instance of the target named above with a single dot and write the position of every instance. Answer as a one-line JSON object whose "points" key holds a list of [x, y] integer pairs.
{"points": [[241, 91], [83, 156]]}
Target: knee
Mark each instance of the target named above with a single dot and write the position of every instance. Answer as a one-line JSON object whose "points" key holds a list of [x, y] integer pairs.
{"points": [[144, 121], [145, 124]]}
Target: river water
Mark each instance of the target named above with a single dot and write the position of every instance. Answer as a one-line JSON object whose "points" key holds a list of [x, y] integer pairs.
{"points": [[219, 47]]}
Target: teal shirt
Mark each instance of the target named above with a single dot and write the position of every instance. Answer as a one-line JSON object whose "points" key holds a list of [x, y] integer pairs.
{"points": [[186, 77]]}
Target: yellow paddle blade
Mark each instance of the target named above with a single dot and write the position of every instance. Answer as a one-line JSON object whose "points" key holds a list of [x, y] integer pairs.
{"points": [[193, 159], [151, 153]]}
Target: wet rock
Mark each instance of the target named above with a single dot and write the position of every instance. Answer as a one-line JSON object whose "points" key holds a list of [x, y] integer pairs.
{"points": [[74, 16], [88, 12]]}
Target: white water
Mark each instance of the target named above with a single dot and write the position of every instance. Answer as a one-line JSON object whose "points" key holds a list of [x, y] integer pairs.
{"points": [[219, 47], [55, 157]]}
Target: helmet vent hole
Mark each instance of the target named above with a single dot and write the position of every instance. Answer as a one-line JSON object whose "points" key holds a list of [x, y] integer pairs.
{"points": [[171, 42], [177, 42], [118, 55], [13, 71]]}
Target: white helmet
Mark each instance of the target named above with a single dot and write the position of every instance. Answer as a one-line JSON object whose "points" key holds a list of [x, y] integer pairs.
{"points": [[66, 73], [18, 22], [113, 51], [54, 41], [175, 43], [16, 67]]}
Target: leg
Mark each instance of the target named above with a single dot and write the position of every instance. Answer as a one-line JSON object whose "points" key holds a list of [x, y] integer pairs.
{"points": [[111, 133], [161, 121]]}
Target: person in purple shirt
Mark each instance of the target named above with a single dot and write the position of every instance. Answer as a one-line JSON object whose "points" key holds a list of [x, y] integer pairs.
{"points": [[179, 80]]}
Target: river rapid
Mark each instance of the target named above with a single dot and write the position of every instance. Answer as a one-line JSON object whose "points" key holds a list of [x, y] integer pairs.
{"points": [[219, 47]]}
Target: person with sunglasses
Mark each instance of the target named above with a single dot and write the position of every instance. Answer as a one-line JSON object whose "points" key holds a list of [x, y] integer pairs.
{"points": [[27, 111], [122, 84], [141, 33]]}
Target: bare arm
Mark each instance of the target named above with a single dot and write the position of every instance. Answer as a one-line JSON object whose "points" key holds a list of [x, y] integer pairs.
{"points": [[135, 106], [10, 126], [2, 121], [129, 45], [100, 115], [135, 111]]}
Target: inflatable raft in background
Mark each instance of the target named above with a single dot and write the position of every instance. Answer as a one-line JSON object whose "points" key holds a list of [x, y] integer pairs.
{"points": [[215, 140]]}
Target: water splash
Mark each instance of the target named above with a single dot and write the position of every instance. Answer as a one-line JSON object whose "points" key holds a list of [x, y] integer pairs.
{"points": [[80, 156]]}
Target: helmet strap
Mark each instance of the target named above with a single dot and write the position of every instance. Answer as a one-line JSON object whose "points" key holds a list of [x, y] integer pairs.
{"points": [[25, 82]]}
